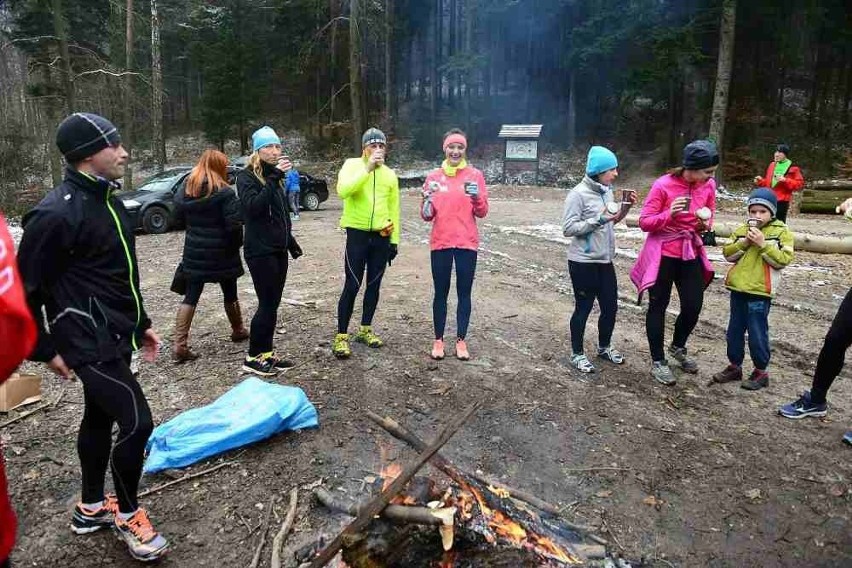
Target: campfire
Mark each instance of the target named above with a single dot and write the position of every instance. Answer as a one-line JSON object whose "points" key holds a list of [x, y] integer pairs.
{"points": [[457, 520]]}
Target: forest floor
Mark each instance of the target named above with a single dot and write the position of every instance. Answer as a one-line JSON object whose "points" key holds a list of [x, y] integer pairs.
{"points": [[733, 484]]}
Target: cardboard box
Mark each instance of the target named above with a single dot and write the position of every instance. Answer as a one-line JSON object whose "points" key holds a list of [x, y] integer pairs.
{"points": [[19, 390]]}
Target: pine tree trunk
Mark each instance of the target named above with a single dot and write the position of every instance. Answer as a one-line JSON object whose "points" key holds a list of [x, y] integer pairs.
{"points": [[390, 88], [572, 107], [723, 72], [355, 86], [158, 141], [127, 127], [436, 62], [332, 49], [60, 26]]}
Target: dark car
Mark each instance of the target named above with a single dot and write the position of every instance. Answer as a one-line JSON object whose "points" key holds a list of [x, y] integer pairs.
{"points": [[313, 191], [152, 208]]}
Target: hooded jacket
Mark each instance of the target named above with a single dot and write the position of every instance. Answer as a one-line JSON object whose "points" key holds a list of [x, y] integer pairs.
{"points": [[593, 238], [265, 212], [214, 234], [757, 270], [78, 260], [370, 199], [453, 212]]}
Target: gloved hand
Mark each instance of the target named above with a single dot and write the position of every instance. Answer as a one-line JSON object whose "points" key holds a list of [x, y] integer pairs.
{"points": [[295, 249], [394, 250]]}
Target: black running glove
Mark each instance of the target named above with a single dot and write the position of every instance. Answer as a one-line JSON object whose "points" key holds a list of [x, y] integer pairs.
{"points": [[394, 250]]}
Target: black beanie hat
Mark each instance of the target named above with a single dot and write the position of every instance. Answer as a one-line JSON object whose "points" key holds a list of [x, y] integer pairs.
{"points": [[373, 135], [84, 134], [783, 148], [700, 154]]}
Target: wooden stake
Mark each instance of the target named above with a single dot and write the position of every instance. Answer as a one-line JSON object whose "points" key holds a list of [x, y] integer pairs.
{"points": [[256, 559], [375, 506], [285, 528]]}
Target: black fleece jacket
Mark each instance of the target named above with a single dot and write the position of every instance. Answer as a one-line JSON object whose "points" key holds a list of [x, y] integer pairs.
{"points": [[78, 260]]}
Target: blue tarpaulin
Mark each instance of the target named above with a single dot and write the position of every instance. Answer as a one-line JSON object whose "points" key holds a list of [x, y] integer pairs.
{"points": [[251, 411]]}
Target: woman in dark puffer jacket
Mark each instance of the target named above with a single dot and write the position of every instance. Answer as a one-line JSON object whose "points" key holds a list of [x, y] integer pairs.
{"points": [[211, 252]]}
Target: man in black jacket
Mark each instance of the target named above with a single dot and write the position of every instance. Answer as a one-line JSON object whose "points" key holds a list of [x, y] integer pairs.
{"points": [[78, 262]]}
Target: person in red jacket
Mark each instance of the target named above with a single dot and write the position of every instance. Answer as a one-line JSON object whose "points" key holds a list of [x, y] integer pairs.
{"points": [[783, 178], [18, 337]]}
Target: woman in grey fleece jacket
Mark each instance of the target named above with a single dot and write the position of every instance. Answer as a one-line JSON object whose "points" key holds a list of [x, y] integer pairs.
{"points": [[587, 220]]}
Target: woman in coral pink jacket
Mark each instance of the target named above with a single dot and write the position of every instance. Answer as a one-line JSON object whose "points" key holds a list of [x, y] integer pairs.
{"points": [[454, 195], [680, 206]]}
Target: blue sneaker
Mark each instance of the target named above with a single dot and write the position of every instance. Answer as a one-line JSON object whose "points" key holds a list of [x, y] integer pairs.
{"points": [[802, 408], [848, 437]]}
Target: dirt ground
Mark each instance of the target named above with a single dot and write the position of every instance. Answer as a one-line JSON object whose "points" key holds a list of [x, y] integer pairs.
{"points": [[733, 484]]}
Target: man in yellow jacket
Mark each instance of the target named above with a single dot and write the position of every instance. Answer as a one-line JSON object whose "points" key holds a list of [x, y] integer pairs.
{"points": [[370, 193]]}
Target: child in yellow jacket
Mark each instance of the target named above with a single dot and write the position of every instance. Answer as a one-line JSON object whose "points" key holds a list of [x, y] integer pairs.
{"points": [[759, 249]]}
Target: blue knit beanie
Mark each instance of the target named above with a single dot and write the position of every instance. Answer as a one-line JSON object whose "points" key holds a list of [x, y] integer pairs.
{"points": [[600, 160], [263, 136], [765, 197]]}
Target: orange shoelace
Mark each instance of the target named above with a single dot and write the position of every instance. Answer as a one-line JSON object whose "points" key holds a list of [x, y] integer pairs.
{"points": [[140, 526]]}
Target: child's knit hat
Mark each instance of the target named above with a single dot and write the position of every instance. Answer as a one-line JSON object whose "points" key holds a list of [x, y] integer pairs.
{"points": [[765, 197]]}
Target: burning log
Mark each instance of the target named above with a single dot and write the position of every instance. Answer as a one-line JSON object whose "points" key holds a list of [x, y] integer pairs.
{"points": [[375, 506], [492, 513], [397, 513], [461, 477]]}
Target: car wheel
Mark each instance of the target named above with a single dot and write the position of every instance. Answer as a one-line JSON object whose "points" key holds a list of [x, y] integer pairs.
{"points": [[311, 201], [155, 220]]}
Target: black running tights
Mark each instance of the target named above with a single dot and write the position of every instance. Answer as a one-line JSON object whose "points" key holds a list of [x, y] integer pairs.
{"points": [[364, 249], [593, 280], [268, 274], [688, 277], [442, 270], [833, 352], [112, 395]]}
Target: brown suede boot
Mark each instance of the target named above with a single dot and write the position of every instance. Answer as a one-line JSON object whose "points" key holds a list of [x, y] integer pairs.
{"points": [[183, 322], [235, 316]]}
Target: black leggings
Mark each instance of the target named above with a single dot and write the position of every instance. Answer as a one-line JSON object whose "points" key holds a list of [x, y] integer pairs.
{"points": [[364, 249], [111, 395], [593, 280], [268, 273], [688, 277], [195, 287], [442, 269], [833, 352]]}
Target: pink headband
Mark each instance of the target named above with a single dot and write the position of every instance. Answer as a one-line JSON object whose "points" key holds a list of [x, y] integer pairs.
{"points": [[455, 138]]}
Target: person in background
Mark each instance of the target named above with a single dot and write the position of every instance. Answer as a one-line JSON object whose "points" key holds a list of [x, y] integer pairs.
{"points": [[211, 251], [454, 196], [783, 178], [78, 263], [588, 221], [830, 361], [370, 193], [678, 209], [759, 249], [18, 337], [291, 184], [268, 239]]}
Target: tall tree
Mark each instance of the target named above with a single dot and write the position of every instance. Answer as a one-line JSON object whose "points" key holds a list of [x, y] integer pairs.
{"points": [[723, 72], [127, 127], [157, 140], [390, 86], [356, 95]]}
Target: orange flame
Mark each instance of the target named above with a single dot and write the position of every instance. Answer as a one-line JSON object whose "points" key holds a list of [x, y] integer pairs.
{"points": [[448, 560]]}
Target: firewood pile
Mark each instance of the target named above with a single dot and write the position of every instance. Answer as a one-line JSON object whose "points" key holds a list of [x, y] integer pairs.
{"points": [[458, 519]]}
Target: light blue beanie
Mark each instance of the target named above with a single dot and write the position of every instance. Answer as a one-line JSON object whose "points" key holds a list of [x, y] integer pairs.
{"points": [[600, 160], [263, 136]]}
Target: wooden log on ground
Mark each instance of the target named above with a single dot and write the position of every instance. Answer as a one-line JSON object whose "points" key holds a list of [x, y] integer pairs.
{"points": [[398, 513], [803, 241], [382, 500]]}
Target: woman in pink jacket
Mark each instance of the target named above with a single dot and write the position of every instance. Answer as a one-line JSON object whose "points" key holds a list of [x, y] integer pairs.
{"points": [[680, 206], [454, 195]]}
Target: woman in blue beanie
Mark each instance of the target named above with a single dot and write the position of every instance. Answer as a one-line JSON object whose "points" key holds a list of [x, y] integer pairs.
{"points": [[268, 239], [589, 215]]}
